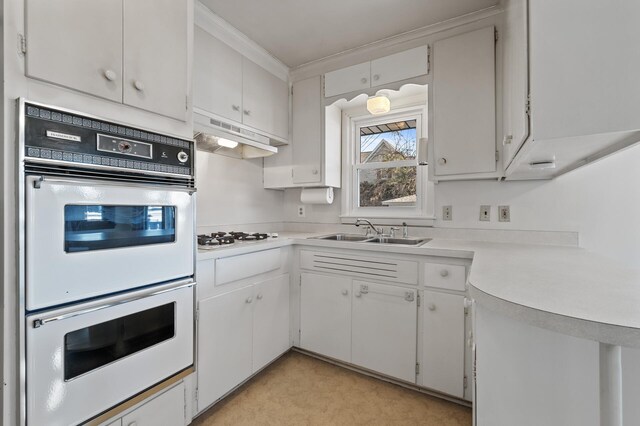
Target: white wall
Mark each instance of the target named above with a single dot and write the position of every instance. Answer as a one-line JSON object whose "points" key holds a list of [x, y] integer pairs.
{"points": [[230, 194], [600, 201]]}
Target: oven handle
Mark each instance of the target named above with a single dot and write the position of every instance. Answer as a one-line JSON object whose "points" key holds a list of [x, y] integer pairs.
{"points": [[37, 183], [39, 322]]}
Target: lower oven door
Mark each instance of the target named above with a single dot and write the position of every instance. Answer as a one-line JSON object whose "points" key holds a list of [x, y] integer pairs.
{"points": [[85, 359], [91, 238]]}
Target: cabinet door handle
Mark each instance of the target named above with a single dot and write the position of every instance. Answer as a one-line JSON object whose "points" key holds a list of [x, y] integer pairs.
{"points": [[110, 75], [363, 80], [345, 292], [442, 161], [432, 307], [358, 294], [314, 171], [444, 273], [376, 77], [138, 85], [259, 296], [235, 107], [133, 424], [249, 299], [247, 112]]}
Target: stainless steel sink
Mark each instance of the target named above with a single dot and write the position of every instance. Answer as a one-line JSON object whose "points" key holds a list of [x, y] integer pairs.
{"points": [[344, 237], [400, 241]]}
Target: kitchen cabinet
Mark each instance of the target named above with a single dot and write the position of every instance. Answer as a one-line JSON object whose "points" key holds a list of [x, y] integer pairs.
{"points": [[566, 110], [239, 332], [168, 409], [314, 156], [464, 106], [218, 89], [325, 315], [443, 343], [133, 52], [240, 90], [383, 330], [389, 69]]}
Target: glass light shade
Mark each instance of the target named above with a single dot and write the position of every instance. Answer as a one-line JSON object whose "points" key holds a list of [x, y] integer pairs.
{"points": [[227, 143], [378, 104]]}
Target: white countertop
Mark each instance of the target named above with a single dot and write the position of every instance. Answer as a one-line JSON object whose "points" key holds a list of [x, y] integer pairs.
{"points": [[566, 289]]}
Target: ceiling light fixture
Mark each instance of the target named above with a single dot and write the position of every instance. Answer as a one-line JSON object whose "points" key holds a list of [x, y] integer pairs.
{"points": [[227, 143], [379, 104]]}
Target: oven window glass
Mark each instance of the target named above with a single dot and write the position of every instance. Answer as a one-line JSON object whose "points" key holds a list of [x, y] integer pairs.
{"points": [[94, 227], [101, 344]]}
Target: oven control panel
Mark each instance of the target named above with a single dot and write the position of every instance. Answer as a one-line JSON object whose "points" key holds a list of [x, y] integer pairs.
{"points": [[58, 136]]}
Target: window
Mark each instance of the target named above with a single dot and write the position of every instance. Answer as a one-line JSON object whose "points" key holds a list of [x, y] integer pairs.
{"points": [[382, 177]]}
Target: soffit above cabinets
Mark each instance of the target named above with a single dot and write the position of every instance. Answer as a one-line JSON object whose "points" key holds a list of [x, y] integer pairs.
{"points": [[302, 31]]}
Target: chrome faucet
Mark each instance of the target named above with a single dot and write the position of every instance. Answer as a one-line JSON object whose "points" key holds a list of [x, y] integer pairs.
{"points": [[365, 221], [405, 230], [392, 231]]}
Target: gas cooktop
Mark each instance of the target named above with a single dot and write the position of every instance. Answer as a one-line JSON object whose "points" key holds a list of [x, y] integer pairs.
{"points": [[218, 239]]}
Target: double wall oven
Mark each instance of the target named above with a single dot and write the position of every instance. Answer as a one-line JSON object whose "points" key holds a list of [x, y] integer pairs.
{"points": [[107, 265]]}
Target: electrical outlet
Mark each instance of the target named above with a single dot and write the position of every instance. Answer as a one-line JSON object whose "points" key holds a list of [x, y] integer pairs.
{"points": [[447, 212], [504, 215], [301, 211], [485, 213]]}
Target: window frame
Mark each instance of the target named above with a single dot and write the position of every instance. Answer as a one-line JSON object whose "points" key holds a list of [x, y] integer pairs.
{"points": [[353, 120]]}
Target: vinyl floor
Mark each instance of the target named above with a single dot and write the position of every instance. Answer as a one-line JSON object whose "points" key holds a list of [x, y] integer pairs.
{"points": [[302, 390]]}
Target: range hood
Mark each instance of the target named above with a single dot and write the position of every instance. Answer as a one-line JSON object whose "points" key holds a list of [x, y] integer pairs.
{"points": [[228, 139]]}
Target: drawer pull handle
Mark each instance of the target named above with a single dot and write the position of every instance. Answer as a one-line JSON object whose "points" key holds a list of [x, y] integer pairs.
{"points": [[363, 80], [235, 107], [444, 273]]}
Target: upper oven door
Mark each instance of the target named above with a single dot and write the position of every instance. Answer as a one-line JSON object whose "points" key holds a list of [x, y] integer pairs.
{"points": [[86, 238]]}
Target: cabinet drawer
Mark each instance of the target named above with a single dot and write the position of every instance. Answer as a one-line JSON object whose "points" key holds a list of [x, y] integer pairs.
{"points": [[376, 268], [450, 277], [235, 268]]}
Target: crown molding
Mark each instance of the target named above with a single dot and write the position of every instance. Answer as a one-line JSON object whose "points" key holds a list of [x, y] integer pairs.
{"points": [[230, 35]]}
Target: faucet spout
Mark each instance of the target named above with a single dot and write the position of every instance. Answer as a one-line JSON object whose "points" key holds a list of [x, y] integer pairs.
{"points": [[367, 222]]}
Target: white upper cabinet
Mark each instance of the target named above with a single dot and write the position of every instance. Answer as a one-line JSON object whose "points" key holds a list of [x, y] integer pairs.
{"points": [[155, 56], [217, 76], [389, 69], [464, 105], [76, 44], [307, 131], [229, 86], [582, 83], [400, 66], [134, 51], [265, 100], [349, 79]]}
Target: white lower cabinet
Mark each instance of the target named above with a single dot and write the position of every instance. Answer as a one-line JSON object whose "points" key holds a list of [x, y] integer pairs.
{"points": [[325, 315], [239, 332], [165, 409], [384, 321], [443, 343]]}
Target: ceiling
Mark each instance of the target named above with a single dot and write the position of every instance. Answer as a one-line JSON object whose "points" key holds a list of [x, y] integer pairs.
{"points": [[301, 31]]}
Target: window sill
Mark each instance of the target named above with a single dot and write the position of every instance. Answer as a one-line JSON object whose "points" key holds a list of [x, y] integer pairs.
{"points": [[386, 220]]}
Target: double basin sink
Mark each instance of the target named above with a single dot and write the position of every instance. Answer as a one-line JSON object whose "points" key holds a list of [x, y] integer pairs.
{"points": [[375, 239]]}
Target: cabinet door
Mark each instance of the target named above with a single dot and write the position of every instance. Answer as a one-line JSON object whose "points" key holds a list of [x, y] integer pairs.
{"points": [[224, 344], [464, 116], [270, 320], [345, 80], [400, 66], [325, 315], [443, 343], [217, 77], [307, 131], [265, 100], [165, 409], [516, 78], [384, 329], [77, 44], [156, 69]]}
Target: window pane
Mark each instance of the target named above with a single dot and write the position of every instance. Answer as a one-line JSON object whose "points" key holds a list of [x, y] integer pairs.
{"points": [[387, 187], [392, 141], [99, 227]]}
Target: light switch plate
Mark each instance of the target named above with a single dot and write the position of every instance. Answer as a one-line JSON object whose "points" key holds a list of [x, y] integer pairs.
{"points": [[447, 212], [485, 213], [504, 215]]}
